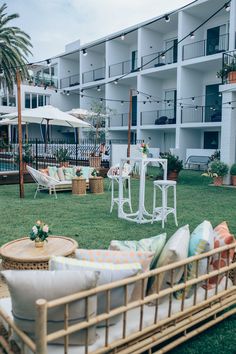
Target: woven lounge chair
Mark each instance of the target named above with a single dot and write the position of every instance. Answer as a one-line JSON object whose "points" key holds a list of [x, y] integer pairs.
{"points": [[43, 181]]}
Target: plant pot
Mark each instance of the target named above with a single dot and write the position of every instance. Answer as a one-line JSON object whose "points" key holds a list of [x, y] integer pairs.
{"points": [[96, 185], [95, 161], [233, 180], [38, 243], [232, 77], [173, 175], [218, 181]]}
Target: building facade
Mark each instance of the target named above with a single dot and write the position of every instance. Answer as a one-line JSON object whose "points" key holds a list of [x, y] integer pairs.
{"points": [[169, 66]]}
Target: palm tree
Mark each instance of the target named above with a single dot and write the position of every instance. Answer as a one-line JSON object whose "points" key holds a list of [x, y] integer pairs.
{"points": [[14, 48]]}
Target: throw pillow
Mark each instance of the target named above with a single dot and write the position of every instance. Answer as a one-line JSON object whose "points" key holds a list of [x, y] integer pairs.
{"points": [[60, 172], [152, 244], [201, 241], [222, 237], [44, 170], [108, 273], [175, 250], [52, 171], [69, 173], [27, 286], [119, 257]]}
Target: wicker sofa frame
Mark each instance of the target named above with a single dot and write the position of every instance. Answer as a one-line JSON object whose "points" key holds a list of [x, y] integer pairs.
{"points": [[159, 337]]}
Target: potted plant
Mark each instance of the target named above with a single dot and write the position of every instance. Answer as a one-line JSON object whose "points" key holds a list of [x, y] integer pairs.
{"points": [[62, 157], [174, 165], [233, 174], [79, 183], [27, 156], [217, 170], [144, 148], [96, 182], [39, 233], [228, 72]]}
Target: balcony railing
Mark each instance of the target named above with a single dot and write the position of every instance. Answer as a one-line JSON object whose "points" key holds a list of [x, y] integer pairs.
{"points": [[200, 114], [163, 116], [156, 59], [206, 47], [118, 120], [70, 81], [93, 75], [44, 81], [228, 72], [122, 68]]}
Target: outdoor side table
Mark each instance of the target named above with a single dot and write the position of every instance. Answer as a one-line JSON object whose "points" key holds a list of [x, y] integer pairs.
{"points": [[79, 186], [22, 253], [96, 185]]}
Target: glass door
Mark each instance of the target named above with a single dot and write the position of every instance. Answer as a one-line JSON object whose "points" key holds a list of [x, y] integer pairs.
{"points": [[172, 47], [216, 40], [213, 104]]}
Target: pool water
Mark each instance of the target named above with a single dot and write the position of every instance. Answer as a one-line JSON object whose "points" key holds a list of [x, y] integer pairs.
{"points": [[8, 166]]}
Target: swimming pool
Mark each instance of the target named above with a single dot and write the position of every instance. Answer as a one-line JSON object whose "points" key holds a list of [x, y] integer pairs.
{"points": [[8, 166]]}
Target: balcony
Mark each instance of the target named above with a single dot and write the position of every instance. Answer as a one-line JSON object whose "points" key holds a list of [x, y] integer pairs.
{"points": [[93, 75], [122, 68], [200, 114], [206, 47], [228, 71], [157, 59], [118, 120], [70, 81], [40, 80], [160, 117]]}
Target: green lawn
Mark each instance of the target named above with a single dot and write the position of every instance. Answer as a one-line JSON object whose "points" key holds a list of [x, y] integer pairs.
{"points": [[87, 219]]}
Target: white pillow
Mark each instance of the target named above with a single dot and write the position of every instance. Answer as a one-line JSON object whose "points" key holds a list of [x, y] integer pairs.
{"points": [[27, 286], [108, 273]]}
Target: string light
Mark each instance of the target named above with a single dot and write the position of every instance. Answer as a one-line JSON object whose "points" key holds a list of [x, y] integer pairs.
{"points": [[122, 37], [227, 7], [84, 52], [48, 61], [167, 18], [193, 99], [116, 81], [192, 35], [163, 55], [98, 88]]}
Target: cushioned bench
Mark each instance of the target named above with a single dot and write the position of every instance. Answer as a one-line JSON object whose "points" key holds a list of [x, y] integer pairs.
{"points": [[197, 161]]}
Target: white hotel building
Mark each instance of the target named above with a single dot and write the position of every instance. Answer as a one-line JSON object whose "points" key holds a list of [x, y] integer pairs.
{"points": [[185, 104]]}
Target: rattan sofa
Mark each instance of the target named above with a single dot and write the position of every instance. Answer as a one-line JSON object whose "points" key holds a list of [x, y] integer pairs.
{"points": [[155, 328]]}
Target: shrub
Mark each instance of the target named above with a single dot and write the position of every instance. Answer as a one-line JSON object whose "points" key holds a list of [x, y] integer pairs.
{"points": [[218, 168], [173, 162], [233, 170]]}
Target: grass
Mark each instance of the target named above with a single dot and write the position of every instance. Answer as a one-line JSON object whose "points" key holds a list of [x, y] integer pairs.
{"points": [[87, 219]]}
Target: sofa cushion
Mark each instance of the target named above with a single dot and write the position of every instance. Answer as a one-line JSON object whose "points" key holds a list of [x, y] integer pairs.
{"points": [[27, 286], [176, 249], [69, 173], [108, 273], [222, 237], [60, 172], [119, 257], [201, 241], [151, 244], [52, 171], [44, 170]]}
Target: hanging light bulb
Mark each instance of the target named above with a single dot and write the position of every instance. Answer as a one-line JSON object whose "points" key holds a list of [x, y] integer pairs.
{"points": [[163, 55], [167, 18], [122, 37], [116, 81], [196, 107], [193, 99], [227, 7], [68, 93], [48, 61], [84, 52], [122, 102], [101, 99], [98, 88], [144, 102], [192, 35]]}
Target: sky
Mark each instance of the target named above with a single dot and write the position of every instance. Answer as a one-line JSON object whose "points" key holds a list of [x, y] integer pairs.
{"points": [[54, 23]]}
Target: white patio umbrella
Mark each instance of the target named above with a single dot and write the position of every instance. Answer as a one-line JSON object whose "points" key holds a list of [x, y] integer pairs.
{"points": [[45, 115]]}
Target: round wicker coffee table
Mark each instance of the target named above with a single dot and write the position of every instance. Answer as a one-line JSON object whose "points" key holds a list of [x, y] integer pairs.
{"points": [[22, 253]]}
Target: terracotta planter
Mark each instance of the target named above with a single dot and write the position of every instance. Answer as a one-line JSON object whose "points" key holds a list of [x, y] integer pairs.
{"points": [[95, 161], [218, 181], [173, 175], [232, 77], [233, 180]]}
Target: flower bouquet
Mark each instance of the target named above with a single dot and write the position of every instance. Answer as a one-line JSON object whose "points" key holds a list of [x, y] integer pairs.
{"points": [[95, 173], [39, 233], [79, 172], [144, 148]]}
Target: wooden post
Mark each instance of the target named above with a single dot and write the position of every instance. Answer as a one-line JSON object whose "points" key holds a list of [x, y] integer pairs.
{"points": [[41, 326], [129, 121], [21, 174]]}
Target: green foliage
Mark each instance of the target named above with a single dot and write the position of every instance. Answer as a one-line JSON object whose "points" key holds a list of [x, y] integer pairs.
{"points": [[62, 155], [79, 172], [227, 68], [215, 155], [27, 154], [217, 168], [173, 161], [14, 48], [233, 170], [95, 173]]}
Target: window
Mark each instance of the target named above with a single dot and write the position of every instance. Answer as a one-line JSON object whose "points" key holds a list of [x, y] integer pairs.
{"points": [[211, 140], [34, 100], [12, 101], [4, 101]]}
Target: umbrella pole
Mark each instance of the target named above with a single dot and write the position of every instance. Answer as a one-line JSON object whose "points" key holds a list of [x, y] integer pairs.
{"points": [[21, 173]]}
